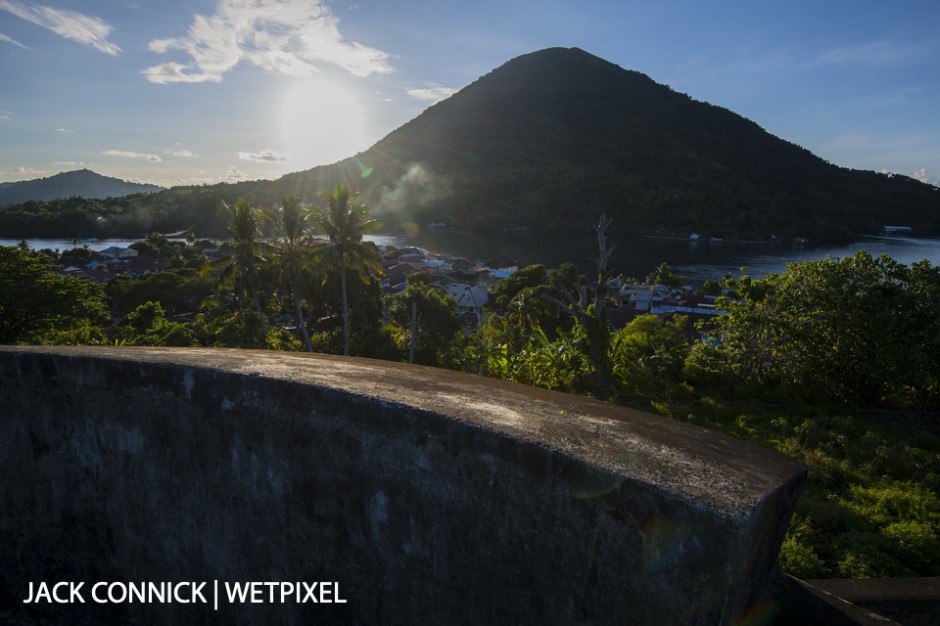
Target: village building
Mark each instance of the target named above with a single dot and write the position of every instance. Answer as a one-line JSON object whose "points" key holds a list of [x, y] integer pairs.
{"points": [[116, 252]]}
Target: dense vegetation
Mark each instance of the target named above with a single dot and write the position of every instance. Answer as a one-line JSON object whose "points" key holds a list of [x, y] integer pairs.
{"points": [[548, 141], [829, 362]]}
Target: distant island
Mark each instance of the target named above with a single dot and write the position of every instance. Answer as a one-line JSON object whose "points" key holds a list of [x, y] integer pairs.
{"points": [[547, 142], [79, 183]]}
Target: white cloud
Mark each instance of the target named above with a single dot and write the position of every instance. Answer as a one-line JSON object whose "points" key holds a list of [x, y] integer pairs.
{"points": [[872, 53], [174, 73], [28, 171], [433, 93], [881, 53], [5, 115], [64, 130], [90, 31], [234, 173], [125, 154], [179, 153], [9, 39], [68, 163], [282, 36], [266, 156]]}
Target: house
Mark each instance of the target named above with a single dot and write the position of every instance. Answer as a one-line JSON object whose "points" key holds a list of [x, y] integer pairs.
{"points": [[687, 306], [139, 267], [470, 298], [394, 277], [71, 270], [501, 267], [643, 297], [411, 254], [97, 272], [116, 252], [896, 230], [438, 264]]}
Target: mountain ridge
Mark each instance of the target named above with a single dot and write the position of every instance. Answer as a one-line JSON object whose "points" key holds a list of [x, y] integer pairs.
{"points": [[82, 183]]}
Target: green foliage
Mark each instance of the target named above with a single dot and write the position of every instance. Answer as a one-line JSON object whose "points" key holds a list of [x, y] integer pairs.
{"points": [[797, 554], [146, 317], [292, 225], [147, 325], [503, 291], [38, 306], [871, 504], [558, 364], [219, 324], [435, 322], [906, 518], [649, 356], [662, 274], [177, 291], [145, 248], [244, 226], [345, 222], [858, 330]]}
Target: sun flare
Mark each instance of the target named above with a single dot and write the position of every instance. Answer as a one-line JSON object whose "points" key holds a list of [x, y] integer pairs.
{"points": [[321, 123]]}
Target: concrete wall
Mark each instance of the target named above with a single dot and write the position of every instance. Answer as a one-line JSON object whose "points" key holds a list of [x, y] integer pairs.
{"points": [[429, 496]]}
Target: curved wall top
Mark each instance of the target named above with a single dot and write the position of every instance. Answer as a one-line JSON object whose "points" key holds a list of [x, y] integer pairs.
{"points": [[427, 496]]}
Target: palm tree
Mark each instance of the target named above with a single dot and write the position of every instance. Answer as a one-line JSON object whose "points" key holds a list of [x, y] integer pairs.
{"points": [[345, 223], [291, 226], [243, 227]]}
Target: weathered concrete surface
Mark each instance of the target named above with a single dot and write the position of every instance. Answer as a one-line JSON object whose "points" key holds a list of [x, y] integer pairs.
{"points": [[429, 496]]}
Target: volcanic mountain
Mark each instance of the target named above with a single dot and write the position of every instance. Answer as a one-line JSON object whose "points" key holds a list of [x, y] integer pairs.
{"points": [[551, 139]]}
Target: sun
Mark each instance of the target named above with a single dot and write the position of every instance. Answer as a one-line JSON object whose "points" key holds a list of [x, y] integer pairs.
{"points": [[321, 122]]}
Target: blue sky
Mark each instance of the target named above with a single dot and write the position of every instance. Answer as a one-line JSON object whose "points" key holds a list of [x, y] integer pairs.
{"points": [[208, 91]]}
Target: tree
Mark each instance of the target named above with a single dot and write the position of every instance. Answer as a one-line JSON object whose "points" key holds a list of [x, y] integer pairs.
{"points": [[291, 239], [147, 325], [857, 329], [662, 274], [345, 222], [503, 291], [427, 319], [589, 309], [648, 355], [145, 248], [243, 228], [39, 306]]}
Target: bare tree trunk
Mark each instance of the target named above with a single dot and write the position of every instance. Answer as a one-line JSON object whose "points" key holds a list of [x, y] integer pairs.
{"points": [[300, 316], [342, 277], [264, 325], [414, 331]]}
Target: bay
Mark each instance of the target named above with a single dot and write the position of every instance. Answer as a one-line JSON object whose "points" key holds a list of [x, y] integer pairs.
{"points": [[636, 257], [632, 256]]}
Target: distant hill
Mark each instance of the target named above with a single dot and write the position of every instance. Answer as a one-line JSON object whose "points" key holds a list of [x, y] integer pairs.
{"points": [[79, 183]]}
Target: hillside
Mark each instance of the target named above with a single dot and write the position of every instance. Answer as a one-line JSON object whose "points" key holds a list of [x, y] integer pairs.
{"points": [[551, 139], [78, 183]]}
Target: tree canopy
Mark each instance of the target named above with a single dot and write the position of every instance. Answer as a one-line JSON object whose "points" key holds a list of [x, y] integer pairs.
{"points": [[39, 306]]}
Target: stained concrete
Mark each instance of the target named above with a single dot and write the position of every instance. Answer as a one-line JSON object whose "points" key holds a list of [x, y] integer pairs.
{"points": [[430, 496]]}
